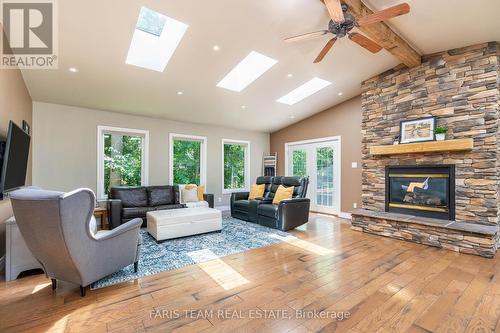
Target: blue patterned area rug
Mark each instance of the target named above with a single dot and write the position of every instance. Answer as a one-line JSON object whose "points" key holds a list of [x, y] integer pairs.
{"points": [[236, 236]]}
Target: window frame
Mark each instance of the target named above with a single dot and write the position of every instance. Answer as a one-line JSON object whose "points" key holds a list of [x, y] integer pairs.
{"points": [[247, 165], [101, 131], [187, 137]]}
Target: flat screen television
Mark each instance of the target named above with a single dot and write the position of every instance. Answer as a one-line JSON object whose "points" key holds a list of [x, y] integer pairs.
{"points": [[14, 160]]}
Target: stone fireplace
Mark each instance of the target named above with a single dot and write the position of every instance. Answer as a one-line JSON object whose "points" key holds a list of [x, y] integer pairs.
{"points": [[443, 198], [421, 190]]}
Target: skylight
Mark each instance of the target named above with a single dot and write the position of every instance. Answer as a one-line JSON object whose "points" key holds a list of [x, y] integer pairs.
{"points": [[247, 71], [307, 89], [155, 39]]}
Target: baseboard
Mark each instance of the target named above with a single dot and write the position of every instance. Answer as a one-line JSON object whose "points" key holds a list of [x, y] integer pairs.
{"points": [[345, 215]]}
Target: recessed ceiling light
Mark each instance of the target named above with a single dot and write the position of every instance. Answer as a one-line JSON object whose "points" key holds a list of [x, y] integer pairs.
{"points": [[247, 71], [292, 117], [243, 107], [216, 48], [340, 94], [290, 75], [307, 89], [73, 70], [180, 93], [155, 39]]}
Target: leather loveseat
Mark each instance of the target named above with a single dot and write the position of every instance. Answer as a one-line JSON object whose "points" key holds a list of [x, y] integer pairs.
{"points": [[127, 203], [286, 215]]}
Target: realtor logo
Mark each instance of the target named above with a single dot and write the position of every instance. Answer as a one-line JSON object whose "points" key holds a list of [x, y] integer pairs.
{"points": [[30, 40]]}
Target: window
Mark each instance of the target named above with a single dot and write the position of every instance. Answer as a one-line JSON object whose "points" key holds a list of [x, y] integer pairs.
{"points": [[307, 89], [155, 39], [122, 158], [187, 159], [248, 70], [236, 165]]}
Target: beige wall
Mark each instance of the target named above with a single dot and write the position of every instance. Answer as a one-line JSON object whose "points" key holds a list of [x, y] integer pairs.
{"points": [[65, 147], [15, 104], [342, 120]]}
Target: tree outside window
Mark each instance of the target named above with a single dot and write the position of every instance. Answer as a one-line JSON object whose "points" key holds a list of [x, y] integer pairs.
{"points": [[122, 160], [187, 162], [299, 160], [234, 166]]}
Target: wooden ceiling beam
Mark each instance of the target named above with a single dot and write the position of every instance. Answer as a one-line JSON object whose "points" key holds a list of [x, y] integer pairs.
{"points": [[383, 35]]}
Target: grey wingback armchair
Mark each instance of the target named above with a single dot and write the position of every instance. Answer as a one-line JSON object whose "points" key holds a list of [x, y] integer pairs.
{"points": [[60, 231]]}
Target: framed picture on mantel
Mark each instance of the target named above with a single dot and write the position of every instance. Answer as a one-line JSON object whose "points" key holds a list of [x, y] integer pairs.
{"points": [[417, 130]]}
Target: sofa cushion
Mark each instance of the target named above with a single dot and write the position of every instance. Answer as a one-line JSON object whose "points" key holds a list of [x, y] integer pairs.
{"points": [[130, 196], [268, 210], [133, 212], [276, 182], [161, 195], [299, 184]]}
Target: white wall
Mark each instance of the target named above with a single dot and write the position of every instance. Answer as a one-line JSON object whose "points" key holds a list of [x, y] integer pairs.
{"points": [[65, 147]]}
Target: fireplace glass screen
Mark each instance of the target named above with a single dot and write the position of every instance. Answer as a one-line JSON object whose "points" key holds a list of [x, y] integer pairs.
{"points": [[423, 191]]}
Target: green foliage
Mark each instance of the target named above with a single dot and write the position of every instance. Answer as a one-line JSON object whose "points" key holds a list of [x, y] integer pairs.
{"points": [[234, 166], [122, 160], [299, 162], [440, 130], [187, 162]]}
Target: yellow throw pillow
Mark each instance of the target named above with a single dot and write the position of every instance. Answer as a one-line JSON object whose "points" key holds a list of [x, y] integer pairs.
{"points": [[256, 191], [200, 190], [283, 193]]}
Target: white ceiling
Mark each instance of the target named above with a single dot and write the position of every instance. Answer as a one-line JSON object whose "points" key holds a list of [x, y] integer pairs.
{"points": [[94, 36]]}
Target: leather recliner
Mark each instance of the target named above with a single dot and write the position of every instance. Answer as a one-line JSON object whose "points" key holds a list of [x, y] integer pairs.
{"points": [[286, 215]]}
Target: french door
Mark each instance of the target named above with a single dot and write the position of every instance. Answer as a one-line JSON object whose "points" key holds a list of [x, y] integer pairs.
{"points": [[320, 160]]}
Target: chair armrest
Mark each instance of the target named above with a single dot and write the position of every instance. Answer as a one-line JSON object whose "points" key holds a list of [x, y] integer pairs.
{"points": [[114, 213], [294, 200], [128, 226], [293, 213], [235, 196], [210, 199]]}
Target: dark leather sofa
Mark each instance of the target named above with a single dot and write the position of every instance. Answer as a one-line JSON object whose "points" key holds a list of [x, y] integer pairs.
{"points": [[127, 203], [287, 215]]}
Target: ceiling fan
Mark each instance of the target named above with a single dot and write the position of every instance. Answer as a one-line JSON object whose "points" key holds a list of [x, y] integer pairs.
{"points": [[342, 22]]}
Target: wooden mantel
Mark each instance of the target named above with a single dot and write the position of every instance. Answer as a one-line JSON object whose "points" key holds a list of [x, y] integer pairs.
{"points": [[424, 147]]}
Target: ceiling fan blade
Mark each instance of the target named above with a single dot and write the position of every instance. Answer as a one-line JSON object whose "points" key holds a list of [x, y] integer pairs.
{"points": [[385, 14], [335, 10], [365, 42], [309, 35], [325, 50]]}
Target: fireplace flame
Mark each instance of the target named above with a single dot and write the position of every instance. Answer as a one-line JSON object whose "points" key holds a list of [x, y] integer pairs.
{"points": [[411, 187]]}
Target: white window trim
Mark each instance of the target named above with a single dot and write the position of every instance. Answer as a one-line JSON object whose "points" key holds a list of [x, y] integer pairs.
{"points": [[204, 148], [101, 130], [247, 166]]}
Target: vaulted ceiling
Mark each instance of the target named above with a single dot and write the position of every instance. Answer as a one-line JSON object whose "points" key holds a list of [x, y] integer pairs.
{"points": [[94, 37]]}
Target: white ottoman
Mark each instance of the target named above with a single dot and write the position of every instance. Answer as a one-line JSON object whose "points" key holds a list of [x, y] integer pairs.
{"points": [[174, 223]]}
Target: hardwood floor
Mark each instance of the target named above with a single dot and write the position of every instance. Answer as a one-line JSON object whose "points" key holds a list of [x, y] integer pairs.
{"points": [[377, 284]]}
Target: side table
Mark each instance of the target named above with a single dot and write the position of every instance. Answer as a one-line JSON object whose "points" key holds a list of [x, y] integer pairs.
{"points": [[102, 213]]}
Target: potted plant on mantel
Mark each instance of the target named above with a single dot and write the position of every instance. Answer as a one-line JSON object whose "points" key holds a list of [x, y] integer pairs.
{"points": [[440, 132]]}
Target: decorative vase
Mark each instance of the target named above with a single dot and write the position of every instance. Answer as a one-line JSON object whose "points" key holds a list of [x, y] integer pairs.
{"points": [[440, 137]]}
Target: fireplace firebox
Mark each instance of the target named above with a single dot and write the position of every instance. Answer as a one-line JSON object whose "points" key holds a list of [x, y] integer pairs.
{"points": [[423, 190]]}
